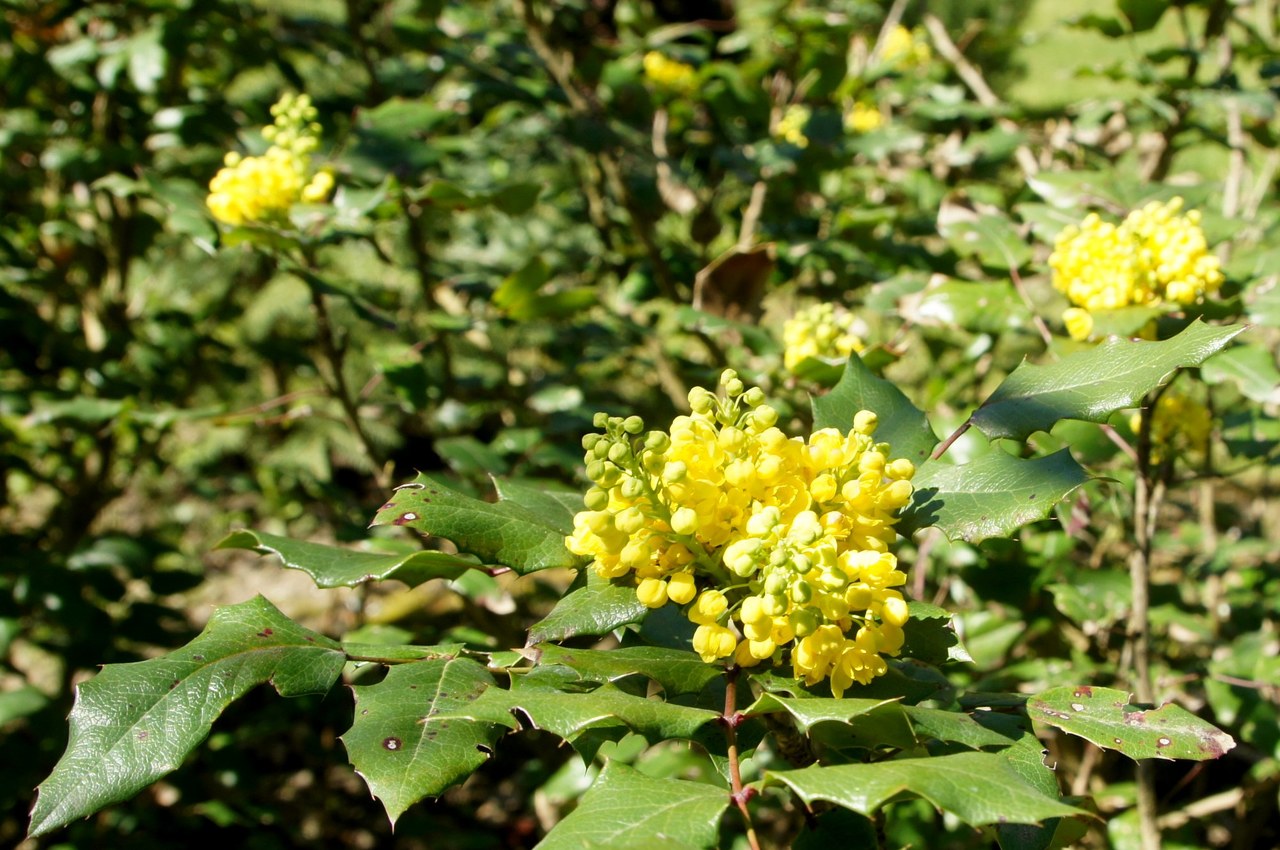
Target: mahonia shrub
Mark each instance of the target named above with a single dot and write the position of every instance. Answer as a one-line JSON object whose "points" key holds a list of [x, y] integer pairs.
{"points": [[777, 547], [252, 189], [1156, 256]]}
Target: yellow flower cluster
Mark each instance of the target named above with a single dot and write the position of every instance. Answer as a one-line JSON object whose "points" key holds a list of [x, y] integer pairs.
{"points": [[263, 188], [779, 547], [823, 331], [668, 74], [1156, 255], [1181, 424], [791, 125], [863, 118], [904, 48]]}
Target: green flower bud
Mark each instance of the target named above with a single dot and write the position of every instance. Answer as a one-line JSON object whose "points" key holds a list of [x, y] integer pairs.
{"points": [[589, 441], [775, 583], [596, 499], [632, 488], [619, 453], [753, 397], [600, 420], [633, 425], [775, 604], [801, 591], [804, 621], [595, 471]]}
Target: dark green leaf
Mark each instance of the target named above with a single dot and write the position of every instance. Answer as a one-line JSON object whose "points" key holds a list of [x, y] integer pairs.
{"points": [[596, 608], [1105, 717], [978, 788], [422, 729], [678, 672], [623, 803], [810, 712], [552, 504], [496, 532], [330, 566], [133, 723], [992, 496], [902, 425], [1142, 15], [1091, 385]]}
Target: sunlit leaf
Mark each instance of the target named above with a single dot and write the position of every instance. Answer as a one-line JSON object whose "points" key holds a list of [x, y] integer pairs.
{"points": [[134, 723], [1105, 717]]}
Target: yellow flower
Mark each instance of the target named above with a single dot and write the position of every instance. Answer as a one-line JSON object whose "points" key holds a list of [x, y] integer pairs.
{"points": [[863, 118], [777, 546], [792, 124], [823, 331], [668, 74], [1155, 256], [904, 48], [262, 188], [1180, 425]]}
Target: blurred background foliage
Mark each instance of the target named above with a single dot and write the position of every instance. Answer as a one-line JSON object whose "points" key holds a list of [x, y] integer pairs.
{"points": [[530, 227]]}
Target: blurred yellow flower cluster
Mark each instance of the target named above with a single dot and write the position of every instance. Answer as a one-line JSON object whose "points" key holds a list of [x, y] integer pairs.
{"points": [[863, 118], [778, 546], [823, 331], [263, 188], [1180, 425], [1156, 255], [668, 74], [791, 125], [904, 48]]}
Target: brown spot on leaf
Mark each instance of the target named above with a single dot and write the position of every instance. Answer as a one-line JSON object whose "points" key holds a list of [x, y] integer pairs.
{"points": [[143, 735], [1135, 718], [1084, 691], [197, 658], [405, 518], [173, 684], [392, 743], [1163, 742], [265, 633]]}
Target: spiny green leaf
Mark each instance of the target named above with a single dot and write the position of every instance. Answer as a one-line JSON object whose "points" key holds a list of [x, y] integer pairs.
{"points": [[678, 672], [992, 496], [1091, 385], [624, 803], [330, 566], [978, 788], [555, 506], [133, 723], [496, 532], [571, 715], [810, 712], [422, 729], [1105, 717], [902, 425], [596, 608]]}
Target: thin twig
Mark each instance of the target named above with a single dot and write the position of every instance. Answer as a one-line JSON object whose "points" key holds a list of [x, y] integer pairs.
{"points": [[973, 78], [730, 720]]}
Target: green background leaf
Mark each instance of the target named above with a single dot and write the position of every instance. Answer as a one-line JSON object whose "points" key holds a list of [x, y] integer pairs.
{"points": [[133, 723], [595, 608]]}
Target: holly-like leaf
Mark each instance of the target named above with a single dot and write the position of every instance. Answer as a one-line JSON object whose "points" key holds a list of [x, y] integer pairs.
{"points": [[810, 712], [596, 608], [1093, 384], [422, 729], [496, 532], [623, 803], [1105, 717], [954, 726], [677, 672], [978, 788], [571, 715], [330, 566], [133, 723], [902, 425], [554, 506], [992, 496]]}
